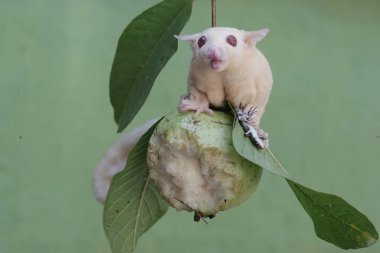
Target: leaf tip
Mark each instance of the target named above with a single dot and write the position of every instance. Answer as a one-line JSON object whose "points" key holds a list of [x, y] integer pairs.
{"points": [[370, 239]]}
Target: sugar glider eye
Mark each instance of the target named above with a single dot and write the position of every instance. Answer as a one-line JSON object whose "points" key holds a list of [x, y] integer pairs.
{"points": [[231, 40], [202, 41]]}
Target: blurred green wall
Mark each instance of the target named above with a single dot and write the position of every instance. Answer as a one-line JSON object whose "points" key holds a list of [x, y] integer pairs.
{"points": [[56, 121]]}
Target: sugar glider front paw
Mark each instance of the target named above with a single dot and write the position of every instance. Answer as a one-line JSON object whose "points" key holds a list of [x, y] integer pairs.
{"points": [[253, 120], [264, 137], [254, 131], [187, 104]]}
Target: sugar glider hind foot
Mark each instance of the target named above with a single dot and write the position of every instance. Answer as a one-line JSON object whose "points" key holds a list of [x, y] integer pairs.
{"points": [[187, 104]]}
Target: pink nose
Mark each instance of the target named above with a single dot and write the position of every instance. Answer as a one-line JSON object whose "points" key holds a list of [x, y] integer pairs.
{"points": [[214, 54]]}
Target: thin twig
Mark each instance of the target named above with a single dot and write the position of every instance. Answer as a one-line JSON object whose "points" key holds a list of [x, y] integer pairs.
{"points": [[213, 15]]}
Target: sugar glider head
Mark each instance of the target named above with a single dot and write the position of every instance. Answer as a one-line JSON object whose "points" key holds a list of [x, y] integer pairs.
{"points": [[223, 47]]}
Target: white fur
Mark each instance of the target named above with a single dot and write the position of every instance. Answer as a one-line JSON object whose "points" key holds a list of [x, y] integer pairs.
{"points": [[220, 72]]}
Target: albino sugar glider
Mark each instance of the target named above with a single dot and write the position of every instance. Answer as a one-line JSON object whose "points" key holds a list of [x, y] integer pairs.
{"points": [[227, 66]]}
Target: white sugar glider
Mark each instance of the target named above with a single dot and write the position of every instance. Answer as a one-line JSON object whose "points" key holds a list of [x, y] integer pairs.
{"points": [[227, 66], [115, 160]]}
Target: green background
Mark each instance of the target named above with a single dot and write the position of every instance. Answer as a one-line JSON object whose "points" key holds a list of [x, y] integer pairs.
{"points": [[56, 121]]}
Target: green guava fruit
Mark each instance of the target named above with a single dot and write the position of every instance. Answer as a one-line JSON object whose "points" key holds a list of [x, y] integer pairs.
{"points": [[194, 165]]}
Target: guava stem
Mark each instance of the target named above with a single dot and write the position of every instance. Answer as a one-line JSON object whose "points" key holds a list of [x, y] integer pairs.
{"points": [[213, 13]]}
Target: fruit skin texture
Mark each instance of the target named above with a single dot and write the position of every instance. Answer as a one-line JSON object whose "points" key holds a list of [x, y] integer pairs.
{"points": [[195, 166]]}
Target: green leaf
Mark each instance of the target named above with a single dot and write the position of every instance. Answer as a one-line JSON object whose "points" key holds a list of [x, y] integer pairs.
{"points": [[133, 202], [144, 48], [262, 157], [335, 220]]}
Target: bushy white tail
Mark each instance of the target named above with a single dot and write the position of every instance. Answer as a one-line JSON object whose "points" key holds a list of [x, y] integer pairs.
{"points": [[115, 160]]}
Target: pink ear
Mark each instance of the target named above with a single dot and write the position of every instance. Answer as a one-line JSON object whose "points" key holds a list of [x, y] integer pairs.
{"points": [[255, 36], [190, 38]]}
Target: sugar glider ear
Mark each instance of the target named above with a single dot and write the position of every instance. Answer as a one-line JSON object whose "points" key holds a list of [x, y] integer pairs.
{"points": [[190, 38], [255, 36]]}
